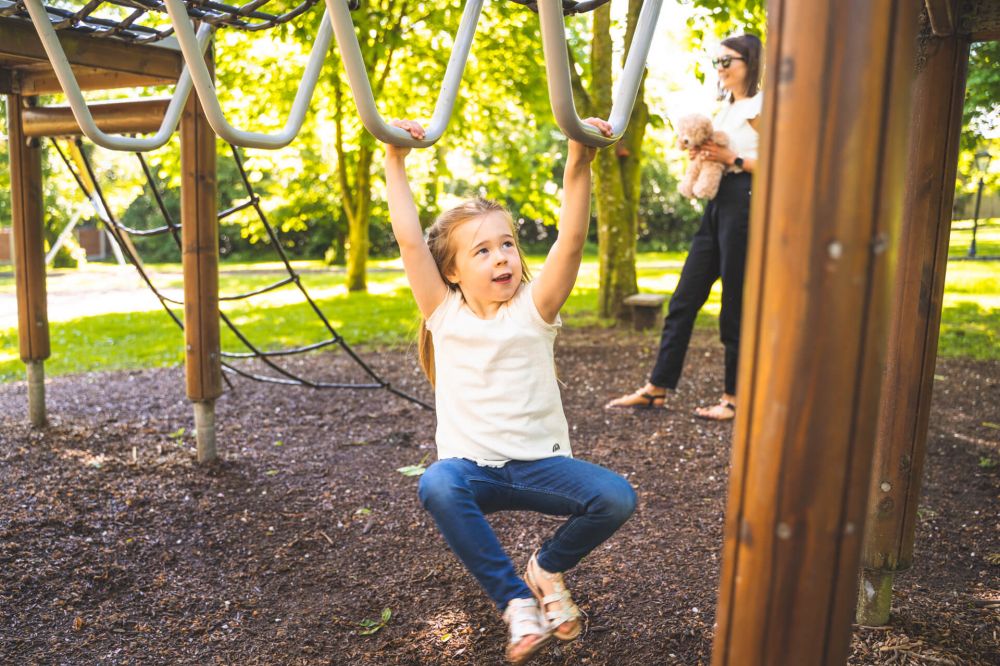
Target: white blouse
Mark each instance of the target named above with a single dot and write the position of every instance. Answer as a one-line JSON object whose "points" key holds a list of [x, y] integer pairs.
{"points": [[733, 119]]}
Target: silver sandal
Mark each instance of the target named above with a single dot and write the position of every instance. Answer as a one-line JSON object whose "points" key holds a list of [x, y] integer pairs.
{"points": [[524, 618]]}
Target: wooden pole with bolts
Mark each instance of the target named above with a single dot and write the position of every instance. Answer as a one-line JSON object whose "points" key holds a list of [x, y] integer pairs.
{"points": [[200, 258], [935, 127], [827, 202], [27, 211]]}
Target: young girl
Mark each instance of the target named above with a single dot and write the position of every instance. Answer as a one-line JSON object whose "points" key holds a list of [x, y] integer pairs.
{"points": [[502, 438]]}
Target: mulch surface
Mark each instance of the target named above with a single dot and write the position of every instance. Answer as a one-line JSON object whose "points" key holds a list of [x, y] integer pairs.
{"points": [[116, 548]]}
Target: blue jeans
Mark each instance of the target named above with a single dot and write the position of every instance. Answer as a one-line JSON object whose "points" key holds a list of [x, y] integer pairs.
{"points": [[459, 493]]}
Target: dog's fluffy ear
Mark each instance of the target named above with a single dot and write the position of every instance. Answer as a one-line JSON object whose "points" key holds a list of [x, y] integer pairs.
{"points": [[720, 139]]}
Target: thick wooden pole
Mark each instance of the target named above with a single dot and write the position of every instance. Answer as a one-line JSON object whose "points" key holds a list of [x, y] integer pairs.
{"points": [[27, 211], [200, 240], [935, 126], [826, 205], [134, 116]]}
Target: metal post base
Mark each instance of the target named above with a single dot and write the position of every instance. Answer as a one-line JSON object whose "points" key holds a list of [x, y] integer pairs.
{"points": [[874, 598], [36, 392], [204, 426]]}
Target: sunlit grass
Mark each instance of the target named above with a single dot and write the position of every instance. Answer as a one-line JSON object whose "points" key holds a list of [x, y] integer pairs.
{"points": [[387, 316], [987, 239]]}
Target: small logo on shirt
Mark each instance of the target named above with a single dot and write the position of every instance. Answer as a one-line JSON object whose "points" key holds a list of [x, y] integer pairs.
{"points": [[555, 447]]}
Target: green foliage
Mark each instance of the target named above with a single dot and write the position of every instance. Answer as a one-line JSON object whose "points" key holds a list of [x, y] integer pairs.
{"points": [[667, 220], [981, 119], [369, 627], [982, 94], [716, 19], [415, 470]]}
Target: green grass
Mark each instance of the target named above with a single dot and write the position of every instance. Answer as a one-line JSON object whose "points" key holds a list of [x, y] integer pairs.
{"points": [[987, 238], [386, 315], [970, 316]]}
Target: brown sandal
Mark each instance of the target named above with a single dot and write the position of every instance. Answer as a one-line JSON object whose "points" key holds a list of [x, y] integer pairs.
{"points": [[565, 612], [703, 413], [651, 401]]}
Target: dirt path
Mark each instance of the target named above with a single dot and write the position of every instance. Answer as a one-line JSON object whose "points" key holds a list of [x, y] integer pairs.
{"points": [[75, 294], [116, 549]]}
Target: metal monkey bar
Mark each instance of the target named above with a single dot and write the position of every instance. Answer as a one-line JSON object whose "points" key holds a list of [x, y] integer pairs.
{"points": [[337, 21]]}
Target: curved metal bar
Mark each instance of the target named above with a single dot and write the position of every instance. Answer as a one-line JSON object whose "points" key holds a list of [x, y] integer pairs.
{"points": [[558, 73], [357, 75], [184, 32], [71, 88]]}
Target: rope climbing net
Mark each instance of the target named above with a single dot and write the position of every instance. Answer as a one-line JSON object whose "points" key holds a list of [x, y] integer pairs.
{"points": [[144, 21], [281, 374]]}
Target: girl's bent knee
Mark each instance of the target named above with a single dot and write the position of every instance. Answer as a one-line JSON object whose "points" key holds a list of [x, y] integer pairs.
{"points": [[618, 501], [440, 486]]}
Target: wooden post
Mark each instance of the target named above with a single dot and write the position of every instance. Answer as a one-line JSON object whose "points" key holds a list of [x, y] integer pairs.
{"points": [[27, 211], [935, 126], [200, 241], [134, 116], [826, 205]]}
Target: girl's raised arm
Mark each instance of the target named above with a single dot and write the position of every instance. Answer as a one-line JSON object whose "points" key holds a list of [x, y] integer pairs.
{"points": [[421, 270], [558, 275]]}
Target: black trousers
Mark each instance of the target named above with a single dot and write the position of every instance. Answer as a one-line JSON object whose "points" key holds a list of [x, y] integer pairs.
{"points": [[718, 249]]}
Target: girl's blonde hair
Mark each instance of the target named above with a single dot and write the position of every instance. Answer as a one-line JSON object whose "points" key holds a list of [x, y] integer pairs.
{"points": [[439, 241]]}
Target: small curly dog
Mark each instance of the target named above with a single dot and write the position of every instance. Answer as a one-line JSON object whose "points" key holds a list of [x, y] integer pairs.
{"points": [[703, 176]]}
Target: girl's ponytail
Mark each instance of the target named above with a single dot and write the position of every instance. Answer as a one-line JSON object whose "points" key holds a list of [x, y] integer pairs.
{"points": [[425, 351]]}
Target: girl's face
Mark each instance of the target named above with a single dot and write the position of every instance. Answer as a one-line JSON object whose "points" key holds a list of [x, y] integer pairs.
{"points": [[732, 70], [487, 265]]}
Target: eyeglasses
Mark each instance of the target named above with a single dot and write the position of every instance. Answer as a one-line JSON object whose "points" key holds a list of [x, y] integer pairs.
{"points": [[725, 61]]}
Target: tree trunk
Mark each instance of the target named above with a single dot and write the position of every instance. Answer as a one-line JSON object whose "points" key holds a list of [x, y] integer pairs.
{"points": [[357, 233], [617, 173], [379, 47]]}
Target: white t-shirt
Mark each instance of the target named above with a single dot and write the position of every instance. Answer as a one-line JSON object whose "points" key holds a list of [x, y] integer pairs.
{"points": [[496, 394], [733, 118]]}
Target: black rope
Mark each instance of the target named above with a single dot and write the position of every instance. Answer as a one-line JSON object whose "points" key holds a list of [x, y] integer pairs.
{"points": [[131, 28], [568, 6], [287, 377], [281, 352], [107, 219], [298, 282], [262, 290], [235, 209]]}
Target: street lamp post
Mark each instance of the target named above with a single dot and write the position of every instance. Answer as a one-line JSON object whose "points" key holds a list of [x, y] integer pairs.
{"points": [[982, 161]]}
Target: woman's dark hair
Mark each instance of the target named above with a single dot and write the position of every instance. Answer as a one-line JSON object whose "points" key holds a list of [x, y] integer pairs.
{"points": [[750, 48]]}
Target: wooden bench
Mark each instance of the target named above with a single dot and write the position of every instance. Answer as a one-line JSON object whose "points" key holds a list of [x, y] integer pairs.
{"points": [[646, 310]]}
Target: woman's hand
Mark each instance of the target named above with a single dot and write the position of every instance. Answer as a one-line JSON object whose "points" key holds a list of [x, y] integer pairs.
{"points": [[714, 153], [415, 130], [582, 153]]}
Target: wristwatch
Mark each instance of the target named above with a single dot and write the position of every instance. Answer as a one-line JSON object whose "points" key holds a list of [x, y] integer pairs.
{"points": [[738, 162]]}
